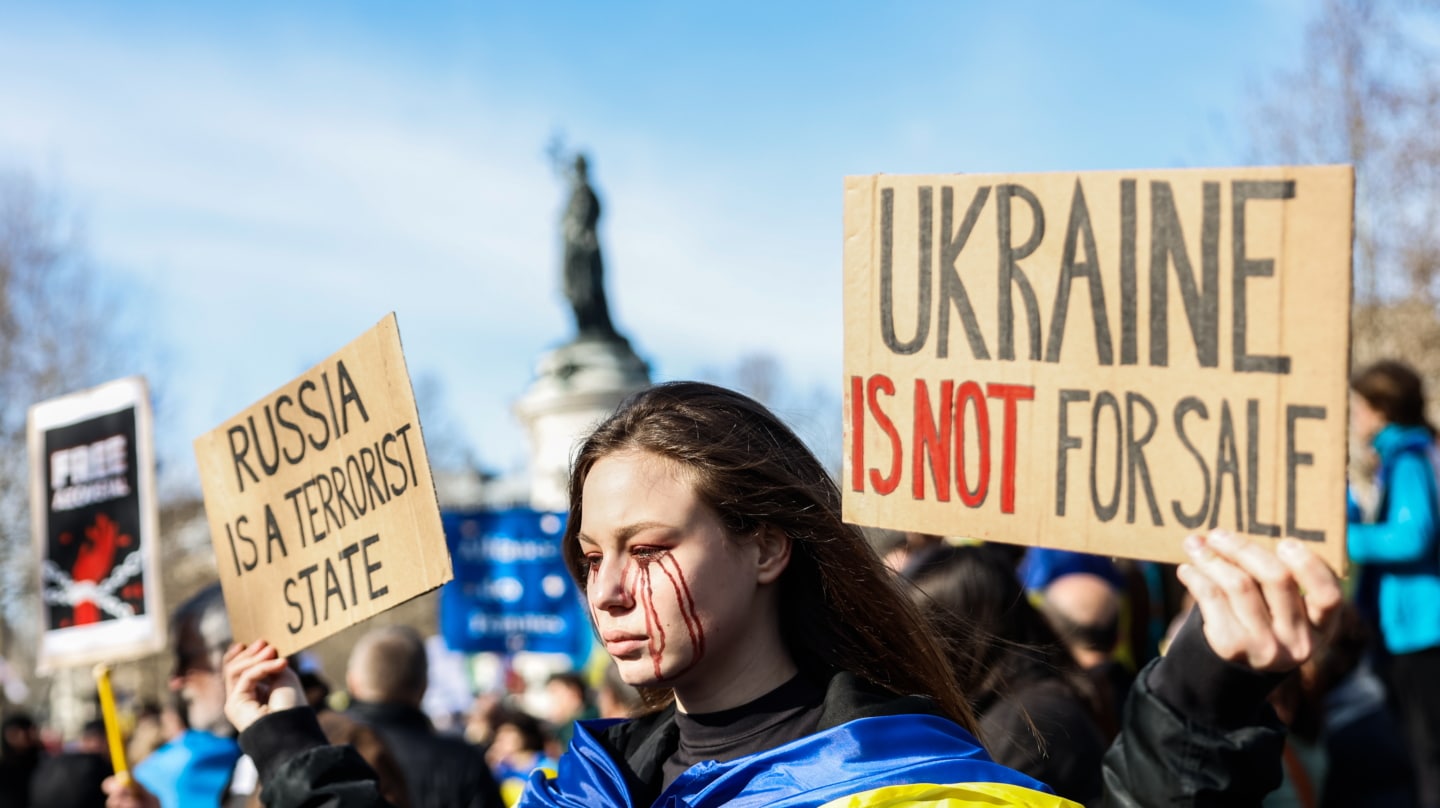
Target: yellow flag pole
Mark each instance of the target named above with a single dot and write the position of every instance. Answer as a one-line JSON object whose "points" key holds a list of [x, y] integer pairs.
{"points": [[112, 723]]}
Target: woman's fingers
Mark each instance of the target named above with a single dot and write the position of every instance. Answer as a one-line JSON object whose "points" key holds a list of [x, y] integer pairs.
{"points": [[247, 671], [1284, 610], [1262, 608], [1227, 638], [1318, 583], [241, 657], [1238, 591], [249, 679]]}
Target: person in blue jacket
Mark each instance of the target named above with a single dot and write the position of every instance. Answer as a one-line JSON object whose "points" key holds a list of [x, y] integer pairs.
{"points": [[782, 665], [1400, 553]]}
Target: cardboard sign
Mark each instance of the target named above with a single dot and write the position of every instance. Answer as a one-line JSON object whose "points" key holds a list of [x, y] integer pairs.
{"points": [[94, 521], [1102, 361], [321, 505]]}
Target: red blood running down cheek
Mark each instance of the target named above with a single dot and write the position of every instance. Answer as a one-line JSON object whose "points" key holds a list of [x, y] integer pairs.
{"points": [[654, 629], [641, 588], [686, 601]]}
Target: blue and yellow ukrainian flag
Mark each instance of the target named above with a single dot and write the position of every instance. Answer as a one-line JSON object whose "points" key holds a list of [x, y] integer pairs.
{"points": [[881, 762]]}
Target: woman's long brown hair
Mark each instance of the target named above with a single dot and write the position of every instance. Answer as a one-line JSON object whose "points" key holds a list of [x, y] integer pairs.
{"points": [[840, 608]]}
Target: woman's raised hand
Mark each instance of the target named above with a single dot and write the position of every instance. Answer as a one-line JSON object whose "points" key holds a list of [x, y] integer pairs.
{"points": [[258, 681], [1266, 610]]}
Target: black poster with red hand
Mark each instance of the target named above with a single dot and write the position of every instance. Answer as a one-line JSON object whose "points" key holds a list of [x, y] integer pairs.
{"points": [[94, 525]]}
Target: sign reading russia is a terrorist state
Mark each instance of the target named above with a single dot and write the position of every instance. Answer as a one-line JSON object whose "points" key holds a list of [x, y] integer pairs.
{"points": [[321, 505], [1100, 361]]}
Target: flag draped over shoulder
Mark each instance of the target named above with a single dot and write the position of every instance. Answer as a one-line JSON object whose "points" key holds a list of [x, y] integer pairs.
{"points": [[874, 762]]}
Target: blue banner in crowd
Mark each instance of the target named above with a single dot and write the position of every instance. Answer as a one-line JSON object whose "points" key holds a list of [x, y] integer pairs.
{"points": [[511, 591]]}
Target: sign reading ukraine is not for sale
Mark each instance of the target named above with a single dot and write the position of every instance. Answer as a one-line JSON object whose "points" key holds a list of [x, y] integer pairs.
{"points": [[1101, 361], [321, 505]]}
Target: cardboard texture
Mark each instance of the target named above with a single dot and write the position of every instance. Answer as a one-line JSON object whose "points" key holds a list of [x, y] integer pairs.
{"points": [[1100, 361], [320, 500], [94, 524]]}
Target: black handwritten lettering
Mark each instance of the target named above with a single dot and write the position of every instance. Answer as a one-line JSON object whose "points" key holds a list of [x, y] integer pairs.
{"points": [[1105, 511], [1010, 275], [1137, 471], [300, 613], [1254, 527], [1294, 459], [1064, 445], [273, 537], [280, 403], [239, 452], [1089, 269], [318, 445], [952, 289], [1227, 462], [371, 569], [1186, 406], [887, 275], [348, 395], [1202, 303], [1128, 286], [1246, 268]]}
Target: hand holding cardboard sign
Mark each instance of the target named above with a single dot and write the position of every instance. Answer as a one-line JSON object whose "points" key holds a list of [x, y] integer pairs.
{"points": [[1266, 610], [258, 681]]}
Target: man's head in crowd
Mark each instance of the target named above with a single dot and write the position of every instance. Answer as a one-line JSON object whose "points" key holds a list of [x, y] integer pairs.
{"points": [[199, 634], [1085, 610], [388, 666]]}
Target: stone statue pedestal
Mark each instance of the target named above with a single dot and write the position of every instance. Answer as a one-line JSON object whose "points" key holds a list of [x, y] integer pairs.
{"points": [[576, 386]]}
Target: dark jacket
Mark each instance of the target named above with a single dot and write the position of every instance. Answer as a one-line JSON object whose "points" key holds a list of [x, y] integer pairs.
{"points": [[1045, 729], [440, 772], [1197, 732]]}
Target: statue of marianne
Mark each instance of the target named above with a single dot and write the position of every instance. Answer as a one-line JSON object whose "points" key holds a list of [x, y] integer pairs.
{"points": [[584, 272]]}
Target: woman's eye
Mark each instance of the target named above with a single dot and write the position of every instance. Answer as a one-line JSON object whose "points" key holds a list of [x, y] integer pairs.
{"points": [[647, 553], [591, 563]]}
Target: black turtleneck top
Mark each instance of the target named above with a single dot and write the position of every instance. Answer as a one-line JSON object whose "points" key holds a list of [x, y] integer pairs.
{"points": [[788, 712]]}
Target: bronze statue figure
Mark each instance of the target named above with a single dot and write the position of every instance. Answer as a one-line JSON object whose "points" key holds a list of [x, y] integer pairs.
{"points": [[584, 272]]}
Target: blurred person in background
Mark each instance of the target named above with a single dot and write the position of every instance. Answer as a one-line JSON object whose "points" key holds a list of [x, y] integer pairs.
{"points": [[1084, 610], [198, 766], [147, 735], [172, 717], [21, 751], [74, 779], [480, 720], [1345, 748], [1037, 713], [387, 676], [1400, 554], [518, 749], [568, 701]]}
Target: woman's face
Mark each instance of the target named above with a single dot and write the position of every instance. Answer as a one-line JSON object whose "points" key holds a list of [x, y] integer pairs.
{"points": [[1365, 419], [672, 594]]}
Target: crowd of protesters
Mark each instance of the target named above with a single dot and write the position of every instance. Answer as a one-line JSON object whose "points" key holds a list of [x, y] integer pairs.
{"points": [[1051, 659]]}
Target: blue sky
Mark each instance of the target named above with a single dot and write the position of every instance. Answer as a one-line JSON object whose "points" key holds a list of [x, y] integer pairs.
{"points": [[270, 179]]}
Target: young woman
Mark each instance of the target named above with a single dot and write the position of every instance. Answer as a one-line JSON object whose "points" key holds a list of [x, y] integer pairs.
{"points": [[1400, 553], [782, 666]]}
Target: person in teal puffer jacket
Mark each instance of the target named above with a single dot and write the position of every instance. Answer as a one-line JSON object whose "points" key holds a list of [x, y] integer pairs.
{"points": [[1401, 553]]}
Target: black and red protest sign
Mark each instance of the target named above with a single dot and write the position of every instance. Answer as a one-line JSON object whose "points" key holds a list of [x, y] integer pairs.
{"points": [[95, 533]]}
